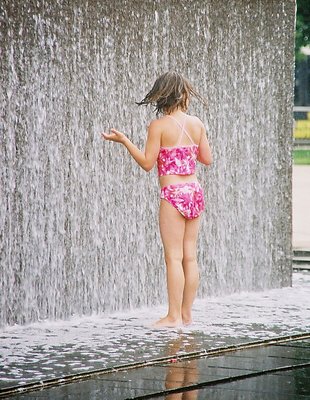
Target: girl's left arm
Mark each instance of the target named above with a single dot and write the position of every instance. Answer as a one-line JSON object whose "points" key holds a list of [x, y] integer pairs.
{"points": [[145, 159]]}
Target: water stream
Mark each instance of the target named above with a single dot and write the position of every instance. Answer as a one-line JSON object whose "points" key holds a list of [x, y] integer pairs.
{"points": [[78, 218]]}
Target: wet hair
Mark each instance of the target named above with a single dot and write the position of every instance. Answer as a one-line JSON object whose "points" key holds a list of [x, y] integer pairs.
{"points": [[171, 90]]}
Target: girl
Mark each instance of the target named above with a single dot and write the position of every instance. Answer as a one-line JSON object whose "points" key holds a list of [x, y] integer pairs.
{"points": [[175, 141]]}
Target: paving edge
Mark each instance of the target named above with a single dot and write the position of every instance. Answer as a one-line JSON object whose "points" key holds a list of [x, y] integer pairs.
{"points": [[220, 381], [49, 383]]}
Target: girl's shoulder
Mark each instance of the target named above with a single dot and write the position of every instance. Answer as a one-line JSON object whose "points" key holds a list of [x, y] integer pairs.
{"points": [[195, 119], [155, 127], [154, 123], [157, 123]]}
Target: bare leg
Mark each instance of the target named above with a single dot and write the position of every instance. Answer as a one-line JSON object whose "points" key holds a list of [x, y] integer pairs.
{"points": [[172, 228], [190, 268]]}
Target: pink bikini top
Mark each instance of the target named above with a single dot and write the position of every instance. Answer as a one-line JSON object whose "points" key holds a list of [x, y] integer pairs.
{"points": [[178, 160]]}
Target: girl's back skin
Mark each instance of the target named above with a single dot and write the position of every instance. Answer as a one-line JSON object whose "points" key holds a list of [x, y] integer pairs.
{"points": [[175, 141]]}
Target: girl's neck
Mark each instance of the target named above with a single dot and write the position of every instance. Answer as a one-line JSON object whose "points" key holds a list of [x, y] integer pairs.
{"points": [[176, 111]]}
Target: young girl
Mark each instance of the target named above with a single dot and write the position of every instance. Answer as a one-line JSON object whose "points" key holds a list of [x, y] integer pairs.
{"points": [[175, 141]]}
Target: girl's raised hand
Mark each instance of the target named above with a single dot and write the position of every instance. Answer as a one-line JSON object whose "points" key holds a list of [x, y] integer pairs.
{"points": [[114, 136]]}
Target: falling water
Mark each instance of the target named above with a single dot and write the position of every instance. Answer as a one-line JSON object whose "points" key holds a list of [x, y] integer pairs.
{"points": [[78, 218]]}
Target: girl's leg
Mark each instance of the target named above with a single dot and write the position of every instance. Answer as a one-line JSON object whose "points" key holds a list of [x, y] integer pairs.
{"points": [[190, 268], [172, 228]]}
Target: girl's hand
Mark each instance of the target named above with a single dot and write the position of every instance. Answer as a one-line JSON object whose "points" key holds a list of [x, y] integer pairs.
{"points": [[114, 136]]}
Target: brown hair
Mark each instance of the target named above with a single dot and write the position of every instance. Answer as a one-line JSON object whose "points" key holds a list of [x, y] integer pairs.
{"points": [[170, 90]]}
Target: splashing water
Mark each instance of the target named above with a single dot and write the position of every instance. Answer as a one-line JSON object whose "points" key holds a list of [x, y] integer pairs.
{"points": [[78, 218]]}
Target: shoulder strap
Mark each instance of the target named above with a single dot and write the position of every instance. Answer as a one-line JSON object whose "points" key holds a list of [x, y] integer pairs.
{"points": [[183, 130]]}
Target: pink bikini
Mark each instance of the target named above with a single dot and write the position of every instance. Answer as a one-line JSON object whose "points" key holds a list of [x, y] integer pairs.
{"points": [[188, 197]]}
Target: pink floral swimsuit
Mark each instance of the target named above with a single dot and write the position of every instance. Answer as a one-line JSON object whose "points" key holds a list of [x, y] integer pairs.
{"points": [[187, 197]]}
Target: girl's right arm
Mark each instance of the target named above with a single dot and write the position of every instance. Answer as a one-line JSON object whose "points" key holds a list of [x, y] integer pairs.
{"points": [[204, 154], [147, 158]]}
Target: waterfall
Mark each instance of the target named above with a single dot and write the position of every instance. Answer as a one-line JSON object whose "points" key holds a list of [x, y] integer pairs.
{"points": [[78, 218]]}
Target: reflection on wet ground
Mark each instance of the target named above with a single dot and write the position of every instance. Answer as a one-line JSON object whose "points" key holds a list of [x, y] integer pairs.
{"points": [[283, 371], [53, 349]]}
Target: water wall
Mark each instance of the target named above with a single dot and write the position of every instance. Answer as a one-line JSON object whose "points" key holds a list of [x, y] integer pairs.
{"points": [[78, 218]]}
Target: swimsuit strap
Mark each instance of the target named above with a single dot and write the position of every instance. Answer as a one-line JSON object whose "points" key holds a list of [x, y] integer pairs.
{"points": [[183, 130]]}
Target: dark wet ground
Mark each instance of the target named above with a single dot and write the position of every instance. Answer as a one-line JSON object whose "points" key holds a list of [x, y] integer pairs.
{"points": [[205, 374]]}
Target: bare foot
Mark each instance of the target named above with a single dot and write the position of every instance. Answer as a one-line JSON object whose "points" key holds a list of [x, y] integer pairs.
{"points": [[187, 320], [168, 322]]}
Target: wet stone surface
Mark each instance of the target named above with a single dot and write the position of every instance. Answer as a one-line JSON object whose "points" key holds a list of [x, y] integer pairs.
{"points": [[52, 349], [207, 373]]}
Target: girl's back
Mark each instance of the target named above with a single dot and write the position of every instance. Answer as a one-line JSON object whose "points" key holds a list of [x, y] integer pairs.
{"points": [[171, 135]]}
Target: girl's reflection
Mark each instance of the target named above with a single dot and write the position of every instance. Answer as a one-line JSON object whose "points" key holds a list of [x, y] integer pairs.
{"points": [[182, 373]]}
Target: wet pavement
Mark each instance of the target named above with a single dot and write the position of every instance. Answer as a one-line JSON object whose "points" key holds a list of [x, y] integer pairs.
{"points": [[50, 350], [278, 371]]}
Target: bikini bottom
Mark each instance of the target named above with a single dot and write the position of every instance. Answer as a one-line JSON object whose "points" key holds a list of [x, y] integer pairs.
{"points": [[187, 198]]}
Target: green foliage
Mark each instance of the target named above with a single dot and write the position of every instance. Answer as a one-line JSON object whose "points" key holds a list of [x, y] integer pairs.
{"points": [[302, 33], [301, 156]]}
